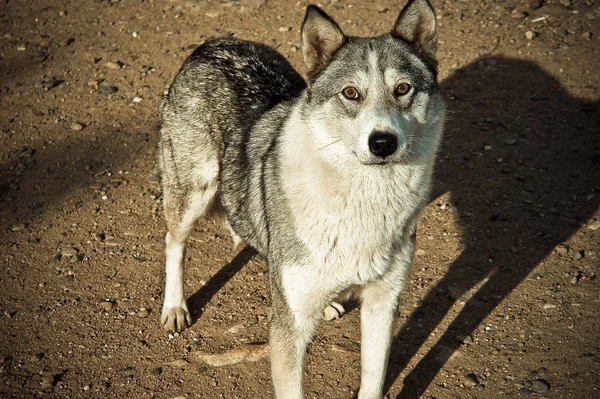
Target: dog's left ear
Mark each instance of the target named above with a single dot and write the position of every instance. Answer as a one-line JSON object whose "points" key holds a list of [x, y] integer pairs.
{"points": [[416, 25], [321, 38]]}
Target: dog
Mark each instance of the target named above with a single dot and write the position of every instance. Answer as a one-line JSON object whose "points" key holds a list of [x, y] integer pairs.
{"points": [[324, 177]]}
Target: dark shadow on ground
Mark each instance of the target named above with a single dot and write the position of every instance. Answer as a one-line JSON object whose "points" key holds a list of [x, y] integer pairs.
{"points": [[515, 201], [202, 297]]}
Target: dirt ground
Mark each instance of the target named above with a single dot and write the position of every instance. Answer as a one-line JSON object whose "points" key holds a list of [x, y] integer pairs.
{"points": [[504, 298]]}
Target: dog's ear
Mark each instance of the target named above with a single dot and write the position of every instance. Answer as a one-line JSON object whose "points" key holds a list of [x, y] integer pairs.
{"points": [[321, 38], [416, 25]]}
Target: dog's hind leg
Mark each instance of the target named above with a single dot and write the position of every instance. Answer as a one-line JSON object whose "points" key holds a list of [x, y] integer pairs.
{"points": [[180, 221]]}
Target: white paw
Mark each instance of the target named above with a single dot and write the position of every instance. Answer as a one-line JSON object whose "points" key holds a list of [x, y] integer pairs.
{"points": [[176, 318], [333, 311]]}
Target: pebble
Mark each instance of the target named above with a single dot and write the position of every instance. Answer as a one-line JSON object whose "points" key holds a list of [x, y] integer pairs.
{"points": [[243, 353], [565, 3], [95, 186], [235, 329], [113, 241], [137, 99], [524, 393], [127, 373], [17, 227], [535, 4], [578, 255], [530, 35], [285, 29], [470, 380], [113, 65], [107, 89], [562, 249], [595, 225], [586, 35], [516, 14], [69, 252], [48, 83], [540, 386], [143, 313], [157, 370], [510, 141], [107, 305], [76, 126]]}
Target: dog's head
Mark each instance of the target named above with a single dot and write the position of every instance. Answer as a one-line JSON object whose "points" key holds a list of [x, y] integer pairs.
{"points": [[374, 99]]}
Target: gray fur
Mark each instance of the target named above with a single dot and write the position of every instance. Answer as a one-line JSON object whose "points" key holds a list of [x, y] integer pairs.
{"points": [[295, 171]]}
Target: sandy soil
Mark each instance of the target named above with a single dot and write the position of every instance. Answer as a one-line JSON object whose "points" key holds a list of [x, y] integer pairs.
{"points": [[504, 299]]}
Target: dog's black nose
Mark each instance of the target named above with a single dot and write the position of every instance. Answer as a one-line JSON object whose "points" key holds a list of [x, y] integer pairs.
{"points": [[383, 144]]}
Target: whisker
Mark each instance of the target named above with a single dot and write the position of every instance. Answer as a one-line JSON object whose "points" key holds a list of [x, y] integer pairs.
{"points": [[333, 142]]}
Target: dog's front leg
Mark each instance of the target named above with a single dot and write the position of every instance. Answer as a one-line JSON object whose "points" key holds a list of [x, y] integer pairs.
{"points": [[379, 302], [296, 311]]}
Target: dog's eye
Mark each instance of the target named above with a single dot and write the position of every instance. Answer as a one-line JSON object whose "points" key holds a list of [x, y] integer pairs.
{"points": [[350, 93], [402, 89]]}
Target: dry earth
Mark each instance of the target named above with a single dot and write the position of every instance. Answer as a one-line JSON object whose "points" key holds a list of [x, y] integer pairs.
{"points": [[504, 300]]}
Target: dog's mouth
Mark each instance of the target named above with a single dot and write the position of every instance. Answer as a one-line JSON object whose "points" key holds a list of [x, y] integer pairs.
{"points": [[381, 162]]}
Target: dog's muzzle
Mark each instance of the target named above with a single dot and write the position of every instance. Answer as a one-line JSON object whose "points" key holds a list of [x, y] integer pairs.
{"points": [[383, 144]]}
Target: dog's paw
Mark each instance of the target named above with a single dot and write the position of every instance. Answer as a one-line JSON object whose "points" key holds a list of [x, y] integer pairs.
{"points": [[333, 311], [176, 318]]}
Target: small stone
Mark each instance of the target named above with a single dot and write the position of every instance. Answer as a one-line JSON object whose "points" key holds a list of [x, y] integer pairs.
{"points": [[563, 32], [595, 225], [565, 3], [69, 252], [95, 185], [530, 35], [76, 126], [137, 99], [107, 89], [143, 313], [179, 363], [468, 340], [113, 241], [113, 65], [155, 179], [212, 14], [578, 255], [17, 227], [470, 380], [524, 393], [517, 14], [48, 83], [285, 29], [157, 370], [510, 141], [127, 373], [21, 47], [586, 35], [107, 305], [235, 329], [562, 249], [535, 4], [540, 386]]}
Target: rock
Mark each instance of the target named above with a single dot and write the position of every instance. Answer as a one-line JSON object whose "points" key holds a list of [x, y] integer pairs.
{"points": [[565, 3], [540, 386], [95, 185], [157, 370], [17, 227], [143, 313], [243, 353], [137, 99], [595, 225], [578, 255], [562, 249], [343, 349], [69, 252], [113, 65], [107, 89], [524, 393], [530, 35], [48, 83], [586, 35], [470, 380], [127, 373], [107, 305], [212, 14], [535, 4], [516, 14], [285, 29], [76, 126], [235, 329], [180, 363], [113, 241]]}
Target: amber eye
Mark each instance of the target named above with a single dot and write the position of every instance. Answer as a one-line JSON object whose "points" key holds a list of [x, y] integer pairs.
{"points": [[402, 89], [350, 93]]}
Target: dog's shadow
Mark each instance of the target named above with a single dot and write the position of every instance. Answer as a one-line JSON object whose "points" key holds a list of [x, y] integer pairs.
{"points": [[202, 297], [521, 160]]}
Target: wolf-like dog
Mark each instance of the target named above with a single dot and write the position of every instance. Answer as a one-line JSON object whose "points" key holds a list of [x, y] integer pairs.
{"points": [[325, 178]]}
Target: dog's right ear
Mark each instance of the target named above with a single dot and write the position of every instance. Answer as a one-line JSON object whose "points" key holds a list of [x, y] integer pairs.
{"points": [[321, 38]]}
